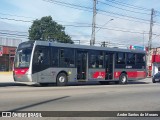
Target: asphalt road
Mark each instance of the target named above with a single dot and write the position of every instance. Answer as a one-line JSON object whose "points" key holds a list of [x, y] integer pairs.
{"points": [[142, 95]]}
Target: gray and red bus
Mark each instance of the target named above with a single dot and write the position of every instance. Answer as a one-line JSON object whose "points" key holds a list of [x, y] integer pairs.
{"points": [[47, 62]]}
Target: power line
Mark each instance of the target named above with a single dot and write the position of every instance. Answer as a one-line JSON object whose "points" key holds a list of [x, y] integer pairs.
{"points": [[128, 5], [88, 8], [13, 34], [143, 22], [121, 30], [33, 20], [89, 25], [16, 15], [15, 19], [13, 31], [86, 26], [112, 29], [70, 5], [124, 30], [122, 8], [123, 15], [75, 7], [18, 20], [73, 22]]}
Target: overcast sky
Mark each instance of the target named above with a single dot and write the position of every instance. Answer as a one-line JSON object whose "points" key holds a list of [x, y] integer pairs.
{"points": [[131, 18]]}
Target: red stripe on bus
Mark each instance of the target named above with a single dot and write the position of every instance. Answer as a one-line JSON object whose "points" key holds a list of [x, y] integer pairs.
{"points": [[20, 71], [117, 74], [132, 74], [138, 74], [99, 74]]}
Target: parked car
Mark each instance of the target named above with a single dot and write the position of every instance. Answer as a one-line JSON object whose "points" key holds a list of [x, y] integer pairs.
{"points": [[156, 77]]}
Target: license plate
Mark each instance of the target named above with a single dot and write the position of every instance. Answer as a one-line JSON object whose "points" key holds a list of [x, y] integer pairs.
{"points": [[156, 79]]}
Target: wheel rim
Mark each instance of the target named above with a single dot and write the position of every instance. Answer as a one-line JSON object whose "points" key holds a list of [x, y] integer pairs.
{"points": [[62, 79], [124, 79]]}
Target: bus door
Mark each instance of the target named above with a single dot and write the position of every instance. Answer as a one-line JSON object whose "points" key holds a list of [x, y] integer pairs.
{"points": [[81, 61], [109, 66], [41, 64]]}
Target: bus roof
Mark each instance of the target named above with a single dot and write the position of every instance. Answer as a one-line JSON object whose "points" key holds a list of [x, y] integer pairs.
{"points": [[67, 45]]}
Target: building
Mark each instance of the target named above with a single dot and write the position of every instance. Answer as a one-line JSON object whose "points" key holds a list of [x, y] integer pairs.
{"points": [[155, 61], [7, 52]]}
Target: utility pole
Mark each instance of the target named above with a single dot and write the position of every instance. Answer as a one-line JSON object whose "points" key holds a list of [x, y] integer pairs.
{"points": [[143, 38], [150, 37], [92, 41], [103, 44]]}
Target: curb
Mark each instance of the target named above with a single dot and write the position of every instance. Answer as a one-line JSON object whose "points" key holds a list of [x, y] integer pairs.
{"points": [[6, 73]]}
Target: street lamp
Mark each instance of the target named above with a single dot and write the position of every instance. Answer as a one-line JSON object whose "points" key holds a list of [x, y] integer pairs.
{"points": [[104, 25], [92, 41]]}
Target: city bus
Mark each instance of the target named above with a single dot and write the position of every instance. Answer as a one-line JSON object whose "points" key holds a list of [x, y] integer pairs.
{"points": [[47, 62]]}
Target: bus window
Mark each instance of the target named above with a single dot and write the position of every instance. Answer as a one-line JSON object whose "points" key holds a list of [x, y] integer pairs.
{"points": [[55, 56], [22, 58], [96, 59], [120, 58], [67, 57], [140, 58], [41, 56], [100, 60], [130, 58]]}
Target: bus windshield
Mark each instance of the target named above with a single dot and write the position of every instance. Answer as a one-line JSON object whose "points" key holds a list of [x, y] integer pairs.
{"points": [[22, 58]]}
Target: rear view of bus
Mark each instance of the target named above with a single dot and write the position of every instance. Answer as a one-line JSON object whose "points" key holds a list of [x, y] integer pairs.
{"points": [[22, 68]]}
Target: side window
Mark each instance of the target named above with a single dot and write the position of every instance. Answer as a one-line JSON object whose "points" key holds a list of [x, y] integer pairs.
{"points": [[120, 58], [101, 60], [41, 56], [55, 56], [140, 58], [130, 58], [96, 59], [67, 57]]}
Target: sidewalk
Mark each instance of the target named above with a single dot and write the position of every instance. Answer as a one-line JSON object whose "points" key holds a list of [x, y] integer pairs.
{"points": [[6, 77]]}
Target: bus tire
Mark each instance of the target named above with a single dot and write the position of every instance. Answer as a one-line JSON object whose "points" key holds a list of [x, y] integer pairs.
{"points": [[123, 79], [62, 79]]}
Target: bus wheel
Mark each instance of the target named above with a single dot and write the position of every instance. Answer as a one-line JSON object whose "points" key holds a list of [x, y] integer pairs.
{"points": [[62, 79], [123, 78]]}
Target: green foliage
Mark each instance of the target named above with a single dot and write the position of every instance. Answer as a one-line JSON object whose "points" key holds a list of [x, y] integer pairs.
{"points": [[47, 29]]}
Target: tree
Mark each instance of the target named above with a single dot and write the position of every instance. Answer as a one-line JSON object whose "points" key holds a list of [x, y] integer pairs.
{"points": [[48, 30]]}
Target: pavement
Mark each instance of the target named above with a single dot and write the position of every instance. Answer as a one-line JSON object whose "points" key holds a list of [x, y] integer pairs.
{"points": [[6, 77], [6, 80]]}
